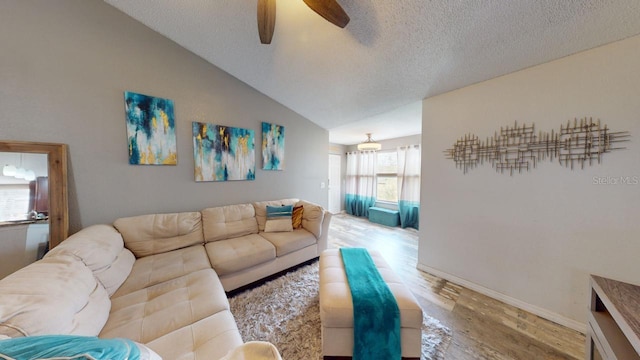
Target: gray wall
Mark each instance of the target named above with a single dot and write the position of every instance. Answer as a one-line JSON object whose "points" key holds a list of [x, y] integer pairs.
{"points": [[63, 70]]}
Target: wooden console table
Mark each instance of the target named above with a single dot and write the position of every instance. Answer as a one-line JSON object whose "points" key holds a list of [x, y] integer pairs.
{"points": [[613, 329]]}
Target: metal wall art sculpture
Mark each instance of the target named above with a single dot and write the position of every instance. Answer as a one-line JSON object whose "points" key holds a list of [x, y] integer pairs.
{"points": [[519, 148]]}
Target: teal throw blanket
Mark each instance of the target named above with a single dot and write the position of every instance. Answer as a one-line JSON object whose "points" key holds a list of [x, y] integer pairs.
{"points": [[376, 317], [68, 347]]}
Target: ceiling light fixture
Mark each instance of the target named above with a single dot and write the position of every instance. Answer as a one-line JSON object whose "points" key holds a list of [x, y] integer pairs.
{"points": [[369, 144]]}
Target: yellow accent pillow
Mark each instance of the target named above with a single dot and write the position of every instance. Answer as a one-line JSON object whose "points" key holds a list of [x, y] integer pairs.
{"points": [[296, 217]]}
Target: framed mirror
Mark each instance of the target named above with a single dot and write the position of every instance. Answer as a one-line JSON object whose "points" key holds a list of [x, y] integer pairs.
{"points": [[57, 172]]}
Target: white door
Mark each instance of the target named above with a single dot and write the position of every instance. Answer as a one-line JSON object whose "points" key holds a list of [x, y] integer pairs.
{"points": [[334, 184]]}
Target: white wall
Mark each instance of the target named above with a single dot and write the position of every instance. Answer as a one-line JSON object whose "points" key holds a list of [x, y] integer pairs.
{"points": [[534, 238], [63, 70], [20, 246], [339, 149], [12, 248]]}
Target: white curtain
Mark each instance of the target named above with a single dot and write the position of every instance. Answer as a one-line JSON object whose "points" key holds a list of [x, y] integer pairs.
{"points": [[360, 189], [409, 185]]}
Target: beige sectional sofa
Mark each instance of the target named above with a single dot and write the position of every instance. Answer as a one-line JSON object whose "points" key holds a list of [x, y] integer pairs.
{"points": [[158, 279]]}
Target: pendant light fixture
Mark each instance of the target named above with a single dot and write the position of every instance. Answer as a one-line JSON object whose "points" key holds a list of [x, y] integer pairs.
{"points": [[29, 175], [369, 144], [9, 170], [18, 172]]}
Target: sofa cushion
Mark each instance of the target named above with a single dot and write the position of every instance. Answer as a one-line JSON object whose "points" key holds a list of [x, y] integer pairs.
{"points": [[261, 209], [116, 274], [228, 256], [56, 295], [158, 233], [101, 248], [154, 269], [312, 217], [209, 338], [92, 317], [150, 313], [279, 218], [226, 222], [287, 242]]}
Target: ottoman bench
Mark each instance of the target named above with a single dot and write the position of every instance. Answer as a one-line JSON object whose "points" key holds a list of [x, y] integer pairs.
{"points": [[336, 308], [384, 216]]}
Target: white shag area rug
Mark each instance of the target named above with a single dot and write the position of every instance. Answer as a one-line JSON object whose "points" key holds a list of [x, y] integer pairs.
{"points": [[286, 312]]}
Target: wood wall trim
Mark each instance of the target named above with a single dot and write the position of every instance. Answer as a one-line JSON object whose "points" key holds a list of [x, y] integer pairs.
{"points": [[58, 191]]}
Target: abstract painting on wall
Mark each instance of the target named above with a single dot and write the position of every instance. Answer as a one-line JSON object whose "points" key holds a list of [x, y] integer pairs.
{"points": [[223, 153], [150, 130], [272, 146]]}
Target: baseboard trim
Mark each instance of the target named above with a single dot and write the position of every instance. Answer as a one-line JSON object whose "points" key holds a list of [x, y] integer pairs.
{"points": [[543, 313]]}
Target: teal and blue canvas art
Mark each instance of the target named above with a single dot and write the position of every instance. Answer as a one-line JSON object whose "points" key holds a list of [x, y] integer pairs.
{"points": [[272, 146], [223, 153], [151, 130]]}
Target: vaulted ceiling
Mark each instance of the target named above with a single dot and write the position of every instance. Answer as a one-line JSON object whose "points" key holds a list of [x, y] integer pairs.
{"points": [[393, 53]]}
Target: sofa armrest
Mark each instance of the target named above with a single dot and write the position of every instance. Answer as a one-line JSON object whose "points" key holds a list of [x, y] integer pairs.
{"points": [[324, 235]]}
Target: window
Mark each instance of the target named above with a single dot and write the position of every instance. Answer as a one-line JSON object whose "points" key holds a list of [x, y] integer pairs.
{"points": [[14, 202], [387, 176]]}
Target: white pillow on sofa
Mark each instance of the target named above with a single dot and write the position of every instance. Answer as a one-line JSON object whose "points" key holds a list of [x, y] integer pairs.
{"points": [[261, 209], [279, 218]]}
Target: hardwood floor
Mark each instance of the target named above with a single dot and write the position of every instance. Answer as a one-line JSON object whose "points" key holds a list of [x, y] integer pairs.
{"points": [[483, 328]]}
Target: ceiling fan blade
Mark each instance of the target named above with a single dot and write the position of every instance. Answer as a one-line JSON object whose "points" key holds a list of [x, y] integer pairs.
{"points": [[266, 20], [330, 10]]}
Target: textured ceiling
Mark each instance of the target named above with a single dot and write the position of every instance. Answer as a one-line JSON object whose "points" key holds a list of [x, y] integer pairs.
{"points": [[391, 55]]}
